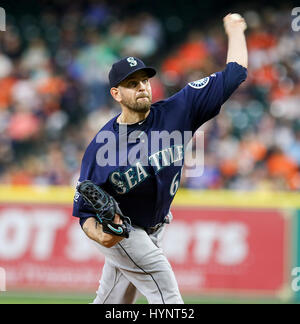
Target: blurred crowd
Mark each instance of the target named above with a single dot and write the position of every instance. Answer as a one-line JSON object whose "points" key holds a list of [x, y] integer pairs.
{"points": [[54, 94]]}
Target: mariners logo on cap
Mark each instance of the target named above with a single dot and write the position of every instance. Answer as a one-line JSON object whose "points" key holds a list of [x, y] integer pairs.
{"points": [[132, 62], [199, 83]]}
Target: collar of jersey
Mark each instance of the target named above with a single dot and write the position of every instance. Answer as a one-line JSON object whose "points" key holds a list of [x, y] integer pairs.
{"points": [[135, 126]]}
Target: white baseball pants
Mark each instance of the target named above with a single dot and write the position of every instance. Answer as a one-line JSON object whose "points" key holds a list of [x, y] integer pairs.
{"points": [[137, 265]]}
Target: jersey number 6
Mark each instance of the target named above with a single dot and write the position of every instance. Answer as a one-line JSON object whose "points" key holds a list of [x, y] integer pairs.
{"points": [[175, 184]]}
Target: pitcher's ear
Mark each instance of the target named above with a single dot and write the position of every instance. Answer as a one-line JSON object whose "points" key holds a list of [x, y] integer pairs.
{"points": [[115, 93]]}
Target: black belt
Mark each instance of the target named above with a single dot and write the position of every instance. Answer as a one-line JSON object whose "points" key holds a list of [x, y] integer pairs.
{"points": [[151, 230]]}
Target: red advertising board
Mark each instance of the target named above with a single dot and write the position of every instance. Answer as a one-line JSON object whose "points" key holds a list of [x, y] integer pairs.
{"points": [[237, 250], [43, 246]]}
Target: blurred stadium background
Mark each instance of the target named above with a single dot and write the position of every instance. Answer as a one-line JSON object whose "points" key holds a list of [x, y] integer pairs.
{"points": [[235, 235]]}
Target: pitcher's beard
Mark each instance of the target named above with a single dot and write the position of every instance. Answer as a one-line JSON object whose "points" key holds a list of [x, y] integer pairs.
{"points": [[139, 107]]}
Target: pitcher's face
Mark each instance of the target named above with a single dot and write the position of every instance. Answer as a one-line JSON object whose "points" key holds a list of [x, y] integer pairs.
{"points": [[134, 92]]}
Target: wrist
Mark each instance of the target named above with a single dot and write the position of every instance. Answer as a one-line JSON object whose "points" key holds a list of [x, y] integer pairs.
{"points": [[235, 33]]}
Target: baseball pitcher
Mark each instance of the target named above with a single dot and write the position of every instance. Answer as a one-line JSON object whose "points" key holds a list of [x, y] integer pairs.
{"points": [[129, 178]]}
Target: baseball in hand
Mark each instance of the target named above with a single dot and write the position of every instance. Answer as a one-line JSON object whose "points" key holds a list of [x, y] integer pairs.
{"points": [[236, 16], [234, 23]]}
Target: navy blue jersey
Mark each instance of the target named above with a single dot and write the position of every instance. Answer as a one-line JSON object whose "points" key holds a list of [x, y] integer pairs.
{"points": [[144, 177]]}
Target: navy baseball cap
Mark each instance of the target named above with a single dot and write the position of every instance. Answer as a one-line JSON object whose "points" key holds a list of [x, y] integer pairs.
{"points": [[125, 67]]}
